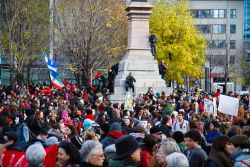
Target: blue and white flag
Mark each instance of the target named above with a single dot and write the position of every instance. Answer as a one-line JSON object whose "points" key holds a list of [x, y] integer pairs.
{"points": [[52, 66]]}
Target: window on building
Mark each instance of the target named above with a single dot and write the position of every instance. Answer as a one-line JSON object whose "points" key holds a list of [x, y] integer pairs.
{"points": [[219, 29], [218, 60], [219, 13], [205, 29], [205, 13], [217, 44], [232, 59], [233, 14], [232, 29], [232, 44]]}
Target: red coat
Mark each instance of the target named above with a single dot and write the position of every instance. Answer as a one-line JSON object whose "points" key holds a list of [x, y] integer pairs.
{"points": [[146, 157]]}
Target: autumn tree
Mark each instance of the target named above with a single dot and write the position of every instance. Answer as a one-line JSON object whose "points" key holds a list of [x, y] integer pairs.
{"points": [[91, 34], [23, 33], [179, 43]]}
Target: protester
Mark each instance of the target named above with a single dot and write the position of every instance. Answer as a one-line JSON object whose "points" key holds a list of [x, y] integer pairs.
{"points": [[115, 132], [35, 155], [196, 156], [219, 155], [179, 138], [165, 148], [129, 83], [180, 124], [22, 132], [150, 142], [92, 154], [68, 155], [177, 160], [156, 132], [213, 131], [241, 153], [127, 153], [82, 114]]}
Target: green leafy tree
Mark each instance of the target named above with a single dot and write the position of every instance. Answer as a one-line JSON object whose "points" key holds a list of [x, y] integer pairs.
{"points": [[23, 33], [178, 41]]}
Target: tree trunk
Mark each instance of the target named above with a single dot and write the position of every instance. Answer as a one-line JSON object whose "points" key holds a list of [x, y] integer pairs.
{"points": [[19, 78], [28, 73]]}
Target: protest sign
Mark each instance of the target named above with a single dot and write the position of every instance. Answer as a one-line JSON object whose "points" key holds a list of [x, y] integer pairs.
{"points": [[228, 105], [129, 101], [208, 106]]}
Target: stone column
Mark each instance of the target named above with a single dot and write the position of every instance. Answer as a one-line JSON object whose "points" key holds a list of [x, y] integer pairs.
{"points": [[138, 58]]}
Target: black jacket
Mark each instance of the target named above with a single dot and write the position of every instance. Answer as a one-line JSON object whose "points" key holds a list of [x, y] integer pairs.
{"points": [[86, 164]]}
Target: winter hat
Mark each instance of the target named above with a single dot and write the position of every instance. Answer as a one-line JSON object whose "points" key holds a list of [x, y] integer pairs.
{"points": [[51, 140], [87, 124], [125, 146], [65, 113], [155, 129], [115, 127]]}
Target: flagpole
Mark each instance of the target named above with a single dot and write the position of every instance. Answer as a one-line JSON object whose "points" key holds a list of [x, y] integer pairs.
{"points": [[52, 32]]}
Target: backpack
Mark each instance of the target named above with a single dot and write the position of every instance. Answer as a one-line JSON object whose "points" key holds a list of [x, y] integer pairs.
{"points": [[248, 165]]}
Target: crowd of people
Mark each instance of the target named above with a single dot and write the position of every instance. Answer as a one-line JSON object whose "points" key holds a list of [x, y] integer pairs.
{"points": [[89, 131]]}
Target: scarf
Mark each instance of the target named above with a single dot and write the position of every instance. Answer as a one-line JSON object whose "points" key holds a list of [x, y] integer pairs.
{"points": [[115, 134]]}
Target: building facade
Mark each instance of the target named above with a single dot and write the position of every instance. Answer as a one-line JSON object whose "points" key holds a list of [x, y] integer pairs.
{"points": [[247, 24], [222, 23]]}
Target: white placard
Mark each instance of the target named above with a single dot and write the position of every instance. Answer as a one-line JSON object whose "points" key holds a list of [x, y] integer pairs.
{"points": [[228, 105], [215, 106], [208, 106], [129, 101]]}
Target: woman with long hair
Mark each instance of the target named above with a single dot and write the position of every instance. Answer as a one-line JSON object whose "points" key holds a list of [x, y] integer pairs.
{"points": [[221, 150], [68, 155], [39, 122]]}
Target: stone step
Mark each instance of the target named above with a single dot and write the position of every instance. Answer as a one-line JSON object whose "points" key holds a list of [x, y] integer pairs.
{"points": [[142, 82], [120, 93]]}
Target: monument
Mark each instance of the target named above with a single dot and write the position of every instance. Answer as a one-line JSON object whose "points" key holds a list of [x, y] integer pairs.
{"points": [[138, 58]]}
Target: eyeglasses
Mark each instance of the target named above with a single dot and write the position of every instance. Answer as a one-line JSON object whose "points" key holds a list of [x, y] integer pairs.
{"points": [[101, 156]]}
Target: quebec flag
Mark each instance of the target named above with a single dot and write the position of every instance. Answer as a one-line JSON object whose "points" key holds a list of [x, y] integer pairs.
{"points": [[52, 66]]}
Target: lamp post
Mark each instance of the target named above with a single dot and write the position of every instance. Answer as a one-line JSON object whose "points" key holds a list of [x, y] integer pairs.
{"points": [[207, 79], [248, 60]]}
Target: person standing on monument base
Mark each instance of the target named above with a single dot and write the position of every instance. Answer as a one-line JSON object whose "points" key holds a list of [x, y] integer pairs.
{"points": [[129, 83], [163, 69], [153, 41]]}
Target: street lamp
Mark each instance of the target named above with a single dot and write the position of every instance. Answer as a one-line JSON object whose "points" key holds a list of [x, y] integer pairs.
{"points": [[248, 60], [207, 79]]}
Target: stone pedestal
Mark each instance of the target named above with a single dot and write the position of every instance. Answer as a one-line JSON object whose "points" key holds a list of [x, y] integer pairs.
{"points": [[138, 59]]}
